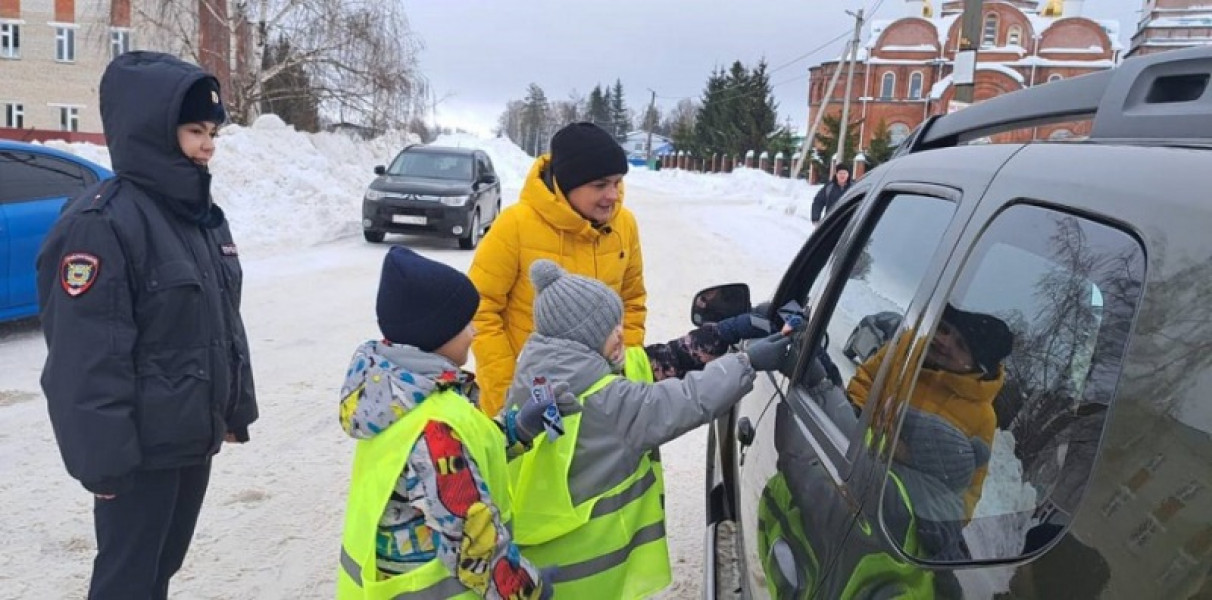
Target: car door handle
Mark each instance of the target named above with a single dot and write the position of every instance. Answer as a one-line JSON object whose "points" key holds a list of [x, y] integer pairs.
{"points": [[744, 431]]}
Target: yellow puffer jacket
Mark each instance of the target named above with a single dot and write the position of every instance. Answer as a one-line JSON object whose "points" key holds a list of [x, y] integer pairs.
{"points": [[543, 225], [964, 400]]}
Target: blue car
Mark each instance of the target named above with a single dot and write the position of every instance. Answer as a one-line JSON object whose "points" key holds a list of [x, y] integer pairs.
{"points": [[35, 182]]}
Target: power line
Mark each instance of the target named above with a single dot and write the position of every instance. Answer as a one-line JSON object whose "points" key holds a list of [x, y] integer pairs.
{"points": [[810, 52], [799, 58]]}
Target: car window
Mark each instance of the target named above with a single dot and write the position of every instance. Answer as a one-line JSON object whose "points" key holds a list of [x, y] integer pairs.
{"points": [[884, 270], [485, 165], [1007, 409], [432, 165], [27, 176]]}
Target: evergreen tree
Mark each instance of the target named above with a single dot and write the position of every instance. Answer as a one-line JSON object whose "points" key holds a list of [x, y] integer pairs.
{"points": [[758, 111], [289, 93], [619, 119], [781, 141], [826, 143], [598, 111], [881, 145], [712, 123], [738, 112], [652, 120], [535, 120]]}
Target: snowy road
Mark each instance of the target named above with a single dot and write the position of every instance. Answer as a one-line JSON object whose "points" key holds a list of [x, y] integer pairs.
{"points": [[271, 525]]}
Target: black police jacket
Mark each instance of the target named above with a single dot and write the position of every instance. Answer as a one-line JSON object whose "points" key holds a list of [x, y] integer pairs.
{"points": [[139, 287]]}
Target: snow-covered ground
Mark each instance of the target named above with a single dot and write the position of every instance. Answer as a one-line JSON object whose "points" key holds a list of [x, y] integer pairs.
{"points": [[271, 524]]}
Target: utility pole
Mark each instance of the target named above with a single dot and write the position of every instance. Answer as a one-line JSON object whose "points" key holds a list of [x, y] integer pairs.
{"points": [[810, 139], [649, 126], [845, 123], [964, 74]]}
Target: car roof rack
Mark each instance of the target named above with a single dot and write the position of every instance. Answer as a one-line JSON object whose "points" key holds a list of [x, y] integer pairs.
{"points": [[1165, 96]]}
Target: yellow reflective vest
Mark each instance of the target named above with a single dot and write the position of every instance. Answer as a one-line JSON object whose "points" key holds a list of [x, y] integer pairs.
{"points": [[609, 546], [378, 463]]}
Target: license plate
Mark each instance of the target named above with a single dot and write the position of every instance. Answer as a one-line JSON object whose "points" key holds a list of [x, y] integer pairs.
{"points": [[408, 219]]}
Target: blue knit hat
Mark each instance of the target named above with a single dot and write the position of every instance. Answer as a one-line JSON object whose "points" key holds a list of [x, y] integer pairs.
{"points": [[422, 302]]}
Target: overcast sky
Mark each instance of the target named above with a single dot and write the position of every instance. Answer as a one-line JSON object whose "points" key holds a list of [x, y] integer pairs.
{"points": [[481, 53]]}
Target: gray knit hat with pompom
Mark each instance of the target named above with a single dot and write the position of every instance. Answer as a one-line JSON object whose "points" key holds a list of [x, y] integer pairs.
{"points": [[572, 307]]}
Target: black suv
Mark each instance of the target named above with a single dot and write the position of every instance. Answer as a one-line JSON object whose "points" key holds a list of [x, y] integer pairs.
{"points": [[1035, 423], [432, 190]]}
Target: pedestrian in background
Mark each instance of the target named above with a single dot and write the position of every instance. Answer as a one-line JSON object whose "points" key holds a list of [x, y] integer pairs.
{"points": [[827, 197]]}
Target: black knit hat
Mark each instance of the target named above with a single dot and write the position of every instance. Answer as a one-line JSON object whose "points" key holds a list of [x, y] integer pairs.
{"points": [[421, 302], [988, 337], [202, 102], [584, 152]]}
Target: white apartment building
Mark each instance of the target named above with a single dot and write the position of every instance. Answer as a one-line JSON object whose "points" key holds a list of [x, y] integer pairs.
{"points": [[52, 55]]}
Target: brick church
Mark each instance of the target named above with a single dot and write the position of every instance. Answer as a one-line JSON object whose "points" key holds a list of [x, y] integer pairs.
{"points": [[903, 74]]}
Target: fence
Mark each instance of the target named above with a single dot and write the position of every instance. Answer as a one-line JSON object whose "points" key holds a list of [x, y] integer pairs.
{"points": [[43, 135], [779, 166]]}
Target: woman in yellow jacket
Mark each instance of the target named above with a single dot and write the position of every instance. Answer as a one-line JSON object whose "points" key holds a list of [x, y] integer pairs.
{"points": [[960, 377], [570, 211]]}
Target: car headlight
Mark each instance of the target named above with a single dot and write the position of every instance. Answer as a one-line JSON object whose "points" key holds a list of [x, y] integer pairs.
{"points": [[454, 200], [375, 195]]}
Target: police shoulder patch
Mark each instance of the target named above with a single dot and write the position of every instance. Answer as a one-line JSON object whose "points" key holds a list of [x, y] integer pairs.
{"points": [[78, 272]]}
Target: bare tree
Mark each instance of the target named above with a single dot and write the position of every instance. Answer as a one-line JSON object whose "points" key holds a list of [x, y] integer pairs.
{"points": [[360, 56]]}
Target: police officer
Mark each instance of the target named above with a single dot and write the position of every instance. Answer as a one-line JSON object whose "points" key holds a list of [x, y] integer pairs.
{"points": [[139, 287]]}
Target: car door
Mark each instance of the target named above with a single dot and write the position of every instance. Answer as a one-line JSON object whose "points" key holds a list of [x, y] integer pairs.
{"points": [[806, 476], [33, 189], [492, 192]]}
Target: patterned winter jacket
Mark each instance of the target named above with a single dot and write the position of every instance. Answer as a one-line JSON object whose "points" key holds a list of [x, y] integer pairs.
{"points": [[416, 527]]}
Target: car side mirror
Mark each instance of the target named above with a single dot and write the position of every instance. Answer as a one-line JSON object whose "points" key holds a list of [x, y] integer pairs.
{"points": [[720, 302], [380, 170]]}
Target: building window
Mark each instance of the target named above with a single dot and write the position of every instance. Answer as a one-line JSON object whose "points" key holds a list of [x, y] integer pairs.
{"points": [[1112, 505], [10, 40], [887, 86], [897, 132], [990, 34], [1176, 568], [119, 42], [915, 86], [14, 115], [65, 44], [1143, 533], [1189, 491], [1014, 37], [69, 118]]}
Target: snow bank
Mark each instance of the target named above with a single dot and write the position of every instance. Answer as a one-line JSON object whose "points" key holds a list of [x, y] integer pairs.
{"points": [[284, 188], [791, 197]]}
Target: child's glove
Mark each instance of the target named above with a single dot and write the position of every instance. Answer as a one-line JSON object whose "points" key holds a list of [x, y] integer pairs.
{"points": [[745, 326], [768, 354], [529, 420]]}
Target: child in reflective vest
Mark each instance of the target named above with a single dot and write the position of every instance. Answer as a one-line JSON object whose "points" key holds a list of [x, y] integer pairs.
{"points": [[429, 505], [590, 502]]}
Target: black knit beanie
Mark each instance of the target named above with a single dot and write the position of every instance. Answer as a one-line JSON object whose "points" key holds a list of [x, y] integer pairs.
{"points": [[422, 302], [202, 102], [988, 337], [582, 153]]}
